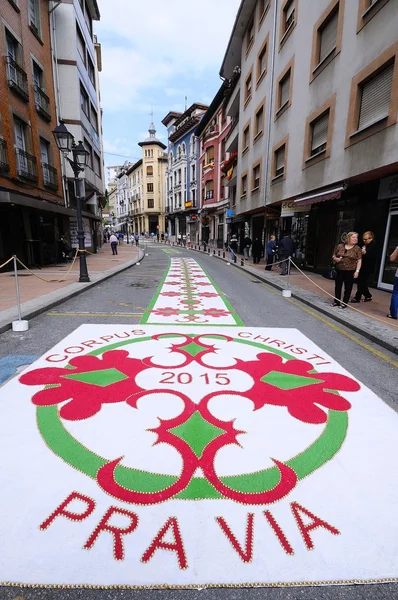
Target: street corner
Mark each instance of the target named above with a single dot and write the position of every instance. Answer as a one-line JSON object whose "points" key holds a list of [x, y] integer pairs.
{"points": [[149, 450]]}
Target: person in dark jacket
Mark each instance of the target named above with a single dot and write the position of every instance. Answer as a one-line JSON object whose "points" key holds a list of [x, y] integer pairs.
{"points": [[233, 246], [285, 250], [369, 256], [257, 250], [271, 252]]}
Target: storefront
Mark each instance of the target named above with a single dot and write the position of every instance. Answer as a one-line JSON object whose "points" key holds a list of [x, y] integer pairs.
{"points": [[294, 221], [388, 191]]}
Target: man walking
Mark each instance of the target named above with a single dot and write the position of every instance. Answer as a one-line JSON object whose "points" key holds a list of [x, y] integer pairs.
{"points": [[233, 246], [114, 243], [369, 256], [285, 251]]}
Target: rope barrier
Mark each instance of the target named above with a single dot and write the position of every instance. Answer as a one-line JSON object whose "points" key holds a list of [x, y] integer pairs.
{"points": [[50, 280], [7, 261], [337, 300]]}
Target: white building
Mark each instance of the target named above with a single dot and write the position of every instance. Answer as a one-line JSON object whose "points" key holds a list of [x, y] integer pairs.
{"points": [[77, 61]]}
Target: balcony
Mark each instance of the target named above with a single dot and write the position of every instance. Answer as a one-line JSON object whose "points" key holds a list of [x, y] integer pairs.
{"points": [[17, 78], [26, 165], [42, 102], [193, 183], [4, 163], [211, 131], [177, 187], [231, 139], [209, 195], [50, 178]]}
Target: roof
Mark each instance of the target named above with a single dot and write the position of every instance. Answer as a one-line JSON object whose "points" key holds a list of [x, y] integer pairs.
{"points": [[170, 115], [189, 110], [152, 139], [233, 53], [94, 10], [214, 106], [134, 167]]}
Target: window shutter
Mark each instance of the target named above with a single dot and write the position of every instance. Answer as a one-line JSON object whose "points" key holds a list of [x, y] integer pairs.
{"points": [[33, 10], [285, 88], [290, 10], [320, 132], [328, 37], [376, 95], [280, 158]]}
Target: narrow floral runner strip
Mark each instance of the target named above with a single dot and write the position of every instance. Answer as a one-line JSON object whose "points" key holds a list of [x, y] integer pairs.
{"points": [[163, 456], [187, 296]]}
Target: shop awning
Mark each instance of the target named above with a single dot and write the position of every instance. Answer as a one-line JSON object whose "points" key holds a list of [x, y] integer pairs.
{"points": [[332, 194], [10, 198]]}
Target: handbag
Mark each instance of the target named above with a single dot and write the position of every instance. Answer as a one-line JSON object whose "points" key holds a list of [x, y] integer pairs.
{"points": [[331, 272]]}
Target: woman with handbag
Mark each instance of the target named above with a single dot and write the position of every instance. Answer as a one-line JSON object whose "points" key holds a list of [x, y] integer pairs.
{"points": [[348, 260]]}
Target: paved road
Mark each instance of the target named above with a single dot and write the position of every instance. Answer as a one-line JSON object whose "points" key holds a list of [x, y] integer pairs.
{"points": [[124, 298]]}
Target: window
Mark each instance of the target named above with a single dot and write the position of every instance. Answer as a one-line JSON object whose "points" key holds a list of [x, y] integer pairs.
{"points": [[84, 101], [256, 177], [149, 171], [262, 61], [250, 35], [94, 118], [259, 121], [288, 20], [263, 6], [375, 98], [151, 203], [209, 190], [280, 162], [246, 138], [34, 15], [319, 134], [91, 70], [248, 88], [367, 10], [90, 151], [26, 163], [37, 76], [210, 156], [284, 89], [87, 18], [327, 37], [243, 191], [81, 47], [149, 187], [16, 76]]}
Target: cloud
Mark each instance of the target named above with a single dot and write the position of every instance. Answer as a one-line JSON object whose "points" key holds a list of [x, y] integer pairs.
{"points": [[146, 50]]}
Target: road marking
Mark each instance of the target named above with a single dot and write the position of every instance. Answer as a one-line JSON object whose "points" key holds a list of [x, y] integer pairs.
{"points": [[90, 314]]}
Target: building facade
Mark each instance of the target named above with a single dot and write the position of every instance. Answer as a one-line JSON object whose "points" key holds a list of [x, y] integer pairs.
{"points": [[182, 173], [317, 122], [77, 62], [214, 200], [32, 208]]}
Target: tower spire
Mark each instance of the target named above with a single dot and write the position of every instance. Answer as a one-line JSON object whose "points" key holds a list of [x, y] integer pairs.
{"points": [[152, 128]]}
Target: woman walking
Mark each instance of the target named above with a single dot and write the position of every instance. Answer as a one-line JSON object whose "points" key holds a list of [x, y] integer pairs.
{"points": [[394, 298], [348, 260]]}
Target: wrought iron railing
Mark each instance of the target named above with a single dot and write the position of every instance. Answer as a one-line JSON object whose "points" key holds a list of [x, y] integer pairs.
{"points": [[4, 162], [17, 78], [50, 178], [42, 102], [26, 165]]}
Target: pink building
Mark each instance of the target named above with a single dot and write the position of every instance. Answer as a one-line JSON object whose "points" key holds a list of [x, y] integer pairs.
{"points": [[214, 200]]}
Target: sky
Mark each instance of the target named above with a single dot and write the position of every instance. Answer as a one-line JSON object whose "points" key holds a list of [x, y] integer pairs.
{"points": [[154, 53]]}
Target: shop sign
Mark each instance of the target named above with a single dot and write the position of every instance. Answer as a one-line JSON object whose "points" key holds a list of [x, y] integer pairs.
{"points": [[230, 212], [229, 220], [388, 188], [289, 208], [188, 204]]}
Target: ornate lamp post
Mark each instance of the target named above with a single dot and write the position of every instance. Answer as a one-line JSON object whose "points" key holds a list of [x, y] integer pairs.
{"points": [[66, 144]]}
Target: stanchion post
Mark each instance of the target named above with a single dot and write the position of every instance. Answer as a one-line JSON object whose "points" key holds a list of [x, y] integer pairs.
{"points": [[17, 288]]}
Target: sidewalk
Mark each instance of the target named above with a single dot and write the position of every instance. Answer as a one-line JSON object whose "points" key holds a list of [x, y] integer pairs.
{"points": [[371, 321], [38, 295]]}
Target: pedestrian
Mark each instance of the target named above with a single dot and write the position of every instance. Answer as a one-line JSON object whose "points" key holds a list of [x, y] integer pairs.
{"points": [[233, 246], [246, 246], [393, 314], [184, 240], [136, 239], [285, 251], [257, 250], [158, 237], [271, 252], [120, 236], [179, 240], [348, 259], [114, 242], [369, 255]]}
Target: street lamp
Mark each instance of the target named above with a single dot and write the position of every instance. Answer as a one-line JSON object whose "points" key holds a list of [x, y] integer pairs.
{"points": [[66, 144]]}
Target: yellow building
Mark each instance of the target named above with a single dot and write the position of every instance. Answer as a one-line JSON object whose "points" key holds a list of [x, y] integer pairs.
{"points": [[148, 186]]}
